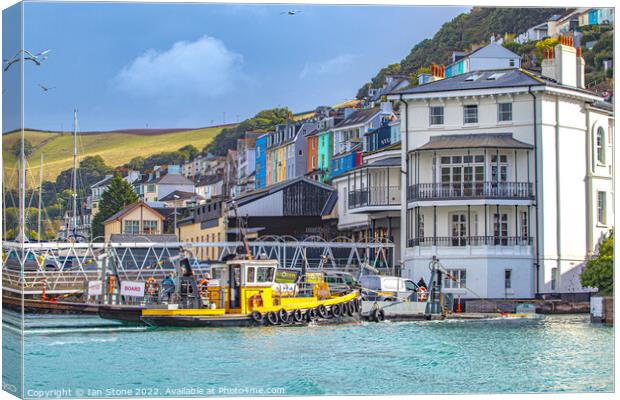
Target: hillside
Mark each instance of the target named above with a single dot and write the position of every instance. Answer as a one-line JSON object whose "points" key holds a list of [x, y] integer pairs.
{"points": [[463, 32], [116, 147]]}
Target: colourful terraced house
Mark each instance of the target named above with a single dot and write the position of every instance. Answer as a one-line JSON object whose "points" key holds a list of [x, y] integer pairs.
{"points": [[261, 161]]}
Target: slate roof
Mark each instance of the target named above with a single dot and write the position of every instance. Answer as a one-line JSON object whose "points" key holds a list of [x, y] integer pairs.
{"points": [[181, 194], [510, 77], [209, 180], [172, 179], [255, 195], [102, 182], [358, 117], [478, 140]]}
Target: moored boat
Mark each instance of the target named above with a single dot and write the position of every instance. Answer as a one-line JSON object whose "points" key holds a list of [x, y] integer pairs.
{"points": [[244, 292]]}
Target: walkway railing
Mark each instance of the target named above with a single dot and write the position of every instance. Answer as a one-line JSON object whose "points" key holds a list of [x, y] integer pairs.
{"points": [[461, 241], [374, 196], [472, 190]]}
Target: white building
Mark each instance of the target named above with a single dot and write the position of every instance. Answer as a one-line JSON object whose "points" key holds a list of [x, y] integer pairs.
{"points": [[98, 188], [535, 33], [369, 200], [491, 56], [509, 178]]}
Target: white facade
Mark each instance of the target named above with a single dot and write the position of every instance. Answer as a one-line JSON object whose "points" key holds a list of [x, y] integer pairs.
{"points": [[369, 199], [517, 225]]}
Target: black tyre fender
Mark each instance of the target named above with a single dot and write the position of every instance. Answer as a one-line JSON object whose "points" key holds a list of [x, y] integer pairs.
{"points": [[350, 309], [378, 315], [336, 312], [272, 318], [311, 314], [283, 316], [298, 316], [257, 316], [321, 311]]}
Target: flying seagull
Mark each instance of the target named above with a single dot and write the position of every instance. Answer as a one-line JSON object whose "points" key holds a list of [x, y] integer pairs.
{"points": [[291, 12], [46, 88], [36, 58]]}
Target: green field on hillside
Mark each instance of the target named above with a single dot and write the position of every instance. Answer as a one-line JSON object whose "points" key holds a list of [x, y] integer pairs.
{"points": [[116, 148]]}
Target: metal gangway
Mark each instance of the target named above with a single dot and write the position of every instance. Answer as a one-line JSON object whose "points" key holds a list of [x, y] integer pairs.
{"points": [[60, 268]]}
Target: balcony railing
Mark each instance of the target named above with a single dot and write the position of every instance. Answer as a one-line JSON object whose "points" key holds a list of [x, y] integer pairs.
{"points": [[462, 241], [471, 190], [375, 196]]}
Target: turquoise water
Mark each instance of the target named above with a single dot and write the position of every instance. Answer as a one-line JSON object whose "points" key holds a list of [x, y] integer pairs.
{"points": [[554, 353]]}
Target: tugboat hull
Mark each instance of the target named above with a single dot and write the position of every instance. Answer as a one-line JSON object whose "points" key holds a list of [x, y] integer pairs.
{"points": [[233, 321]]}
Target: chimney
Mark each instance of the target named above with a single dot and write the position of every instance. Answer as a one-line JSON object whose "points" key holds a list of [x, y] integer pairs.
{"points": [[562, 63], [438, 72], [581, 70]]}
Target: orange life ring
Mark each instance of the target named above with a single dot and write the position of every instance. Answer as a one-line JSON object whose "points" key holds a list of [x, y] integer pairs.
{"points": [[422, 293], [202, 287], [256, 301], [151, 286]]}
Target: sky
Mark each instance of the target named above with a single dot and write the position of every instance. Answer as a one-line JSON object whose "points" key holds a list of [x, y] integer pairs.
{"points": [[193, 65]]}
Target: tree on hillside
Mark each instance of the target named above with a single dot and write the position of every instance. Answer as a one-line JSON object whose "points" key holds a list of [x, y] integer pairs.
{"points": [[463, 32], [190, 151], [90, 170], [119, 195], [136, 163], [265, 120], [16, 148], [599, 271]]}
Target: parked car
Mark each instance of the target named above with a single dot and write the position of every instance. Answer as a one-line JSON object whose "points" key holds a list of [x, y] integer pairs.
{"points": [[340, 281], [388, 288]]}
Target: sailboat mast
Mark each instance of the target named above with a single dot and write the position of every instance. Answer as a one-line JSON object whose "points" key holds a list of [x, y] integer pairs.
{"points": [[40, 198], [74, 186]]}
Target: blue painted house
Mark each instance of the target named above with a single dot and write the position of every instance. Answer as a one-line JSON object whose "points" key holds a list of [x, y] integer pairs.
{"points": [[261, 161]]}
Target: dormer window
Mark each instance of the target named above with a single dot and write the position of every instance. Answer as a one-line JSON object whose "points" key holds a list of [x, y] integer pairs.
{"points": [[473, 77], [495, 76]]}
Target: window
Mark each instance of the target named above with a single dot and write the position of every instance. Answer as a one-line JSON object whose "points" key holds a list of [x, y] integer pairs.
{"points": [[250, 275], [500, 229], [504, 112], [150, 227], [507, 279], [131, 227], [455, 279], [458, 228], [512, 62], [265, 274], [524, 224], [410, 286], [421, 227], [600, 145], [601, 208], [150, 188], [470, 114], [437, 115]]}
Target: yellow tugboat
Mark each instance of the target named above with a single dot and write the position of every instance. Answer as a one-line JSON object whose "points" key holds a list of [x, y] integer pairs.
{"points": [[244, 292]]}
